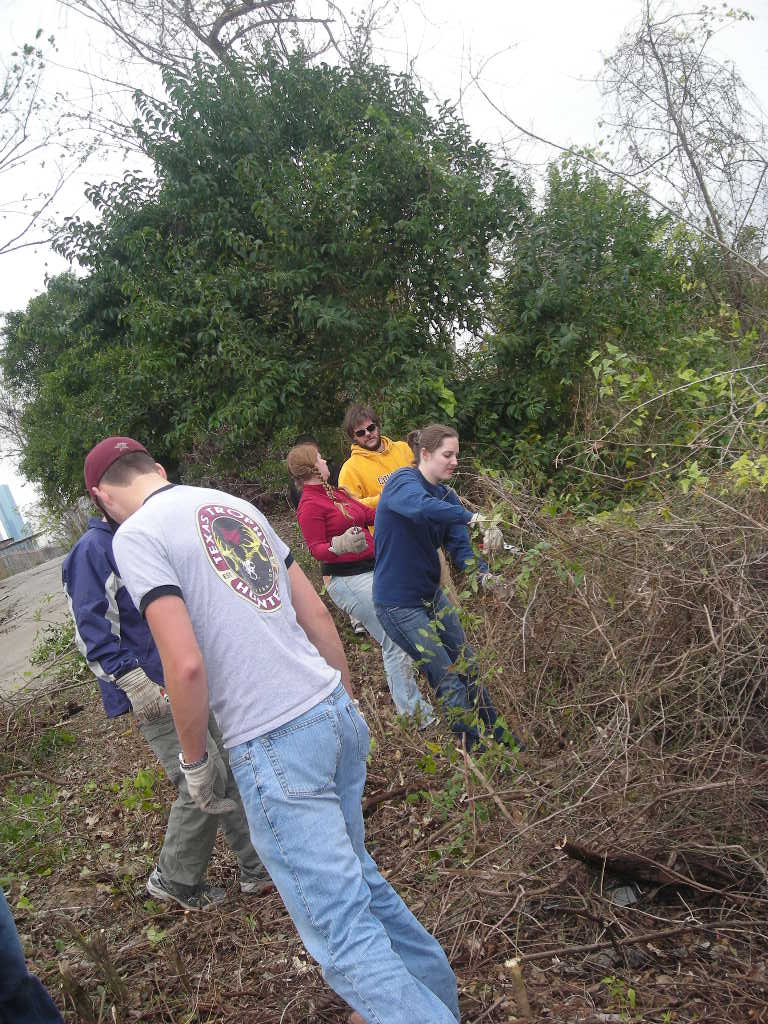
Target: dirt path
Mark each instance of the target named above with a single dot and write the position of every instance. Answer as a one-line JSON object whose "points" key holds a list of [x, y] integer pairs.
{"points": [[29, 601]]}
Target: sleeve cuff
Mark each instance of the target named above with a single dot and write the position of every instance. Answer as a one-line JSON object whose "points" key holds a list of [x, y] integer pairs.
{"points": [[124, 671], [152, 595]]}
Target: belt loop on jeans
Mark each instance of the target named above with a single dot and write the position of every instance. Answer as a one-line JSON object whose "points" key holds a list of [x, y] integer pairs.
{"points": [[338, 694]]}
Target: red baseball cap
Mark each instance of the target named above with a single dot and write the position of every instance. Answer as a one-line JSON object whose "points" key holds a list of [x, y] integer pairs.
{"points": [[101, 456]]}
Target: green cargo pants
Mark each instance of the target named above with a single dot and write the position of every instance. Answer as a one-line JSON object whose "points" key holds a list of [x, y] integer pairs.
{"points": [[190, 832]]}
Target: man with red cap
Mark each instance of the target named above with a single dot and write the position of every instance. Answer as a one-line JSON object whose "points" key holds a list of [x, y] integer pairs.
{"points": [[241, 630], [118, 647]]}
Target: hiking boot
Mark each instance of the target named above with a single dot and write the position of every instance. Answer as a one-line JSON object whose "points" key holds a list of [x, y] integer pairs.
{"points": [[191, 897], [258, 886]]}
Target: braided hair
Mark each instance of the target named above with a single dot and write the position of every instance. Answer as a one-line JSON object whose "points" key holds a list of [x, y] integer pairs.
{"points": [[302, 465]]}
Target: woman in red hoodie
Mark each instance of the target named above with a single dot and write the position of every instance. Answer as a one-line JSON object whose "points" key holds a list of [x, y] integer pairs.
{"points": [[336, 529]]}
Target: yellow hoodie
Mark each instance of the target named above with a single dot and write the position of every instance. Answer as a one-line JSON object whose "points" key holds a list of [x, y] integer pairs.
{"points": [[365, 473]]}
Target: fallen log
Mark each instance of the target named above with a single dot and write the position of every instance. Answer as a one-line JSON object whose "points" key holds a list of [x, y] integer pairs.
{"points": [[637, 867], [382, 795], [629, 940]]}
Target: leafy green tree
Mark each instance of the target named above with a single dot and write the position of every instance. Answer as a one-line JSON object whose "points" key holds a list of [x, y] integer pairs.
{"points": [[63, 368], [36, 338], [312, 233], [592, 266]]}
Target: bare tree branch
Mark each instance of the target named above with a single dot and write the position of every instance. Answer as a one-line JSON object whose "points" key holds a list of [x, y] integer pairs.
{"points": [[168, 32], [688, 122], [36, 130], [601, 165]]}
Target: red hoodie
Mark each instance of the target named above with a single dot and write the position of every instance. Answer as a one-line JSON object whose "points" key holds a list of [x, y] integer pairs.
{"points": [[320, 521]]}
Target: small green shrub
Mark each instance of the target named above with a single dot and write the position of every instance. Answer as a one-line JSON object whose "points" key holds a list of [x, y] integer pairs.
{"points": [[29, 828], [52, 740], [139, 792], [53, 642]]}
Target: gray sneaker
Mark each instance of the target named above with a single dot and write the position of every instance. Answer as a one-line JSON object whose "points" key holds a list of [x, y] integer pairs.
{"points": [[256, 886], [191, 897]]}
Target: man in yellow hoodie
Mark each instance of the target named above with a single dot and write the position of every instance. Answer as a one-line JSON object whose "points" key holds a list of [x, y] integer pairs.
{"points": [[373, 457]]}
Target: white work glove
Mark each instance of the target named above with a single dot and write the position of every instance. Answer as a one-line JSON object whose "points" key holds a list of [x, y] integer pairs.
{"points": [[493, 543], [148, 700], [201, 781], [351, 542], [480, 520]]}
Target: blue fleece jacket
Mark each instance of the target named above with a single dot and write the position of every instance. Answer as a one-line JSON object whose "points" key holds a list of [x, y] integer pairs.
{"points": [[413, 519], [109, 632]]}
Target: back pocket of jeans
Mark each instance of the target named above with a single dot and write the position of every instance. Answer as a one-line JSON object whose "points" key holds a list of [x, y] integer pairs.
{"points": [[304, 754]]}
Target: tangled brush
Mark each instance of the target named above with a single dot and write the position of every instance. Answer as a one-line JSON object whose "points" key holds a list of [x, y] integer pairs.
{"points": [[631, 647]]}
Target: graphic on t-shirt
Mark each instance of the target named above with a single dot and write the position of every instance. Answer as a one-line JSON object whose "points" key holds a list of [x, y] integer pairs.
{"points": [[241, 555]]}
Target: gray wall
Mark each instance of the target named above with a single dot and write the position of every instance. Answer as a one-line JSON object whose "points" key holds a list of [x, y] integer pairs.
{"points": [[26, 553]]}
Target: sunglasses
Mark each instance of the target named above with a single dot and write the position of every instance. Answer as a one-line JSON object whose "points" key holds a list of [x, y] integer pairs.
{"points": [[370, 429]]}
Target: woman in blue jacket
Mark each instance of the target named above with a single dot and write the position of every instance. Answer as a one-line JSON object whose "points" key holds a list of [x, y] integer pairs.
{"points": [[417, 514]]}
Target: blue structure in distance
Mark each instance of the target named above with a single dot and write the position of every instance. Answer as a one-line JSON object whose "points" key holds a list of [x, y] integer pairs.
{"points": [[11, 521]]}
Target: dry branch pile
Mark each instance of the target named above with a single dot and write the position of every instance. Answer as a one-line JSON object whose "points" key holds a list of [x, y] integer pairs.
{"points": [[631, 649], [636, 642]]}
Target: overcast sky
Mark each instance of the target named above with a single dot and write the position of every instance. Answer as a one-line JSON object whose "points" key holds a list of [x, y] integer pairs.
{"points": [[547, 55]]}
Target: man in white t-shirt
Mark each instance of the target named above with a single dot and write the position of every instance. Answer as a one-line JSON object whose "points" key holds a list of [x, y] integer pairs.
{"points": [[240, 629]]}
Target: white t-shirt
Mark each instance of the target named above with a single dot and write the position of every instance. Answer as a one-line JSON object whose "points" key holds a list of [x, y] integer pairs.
{"points": [[221, 556]]}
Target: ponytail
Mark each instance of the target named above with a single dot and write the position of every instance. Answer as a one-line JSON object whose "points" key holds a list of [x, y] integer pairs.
{"points": [[430, 437], [413, 441]]}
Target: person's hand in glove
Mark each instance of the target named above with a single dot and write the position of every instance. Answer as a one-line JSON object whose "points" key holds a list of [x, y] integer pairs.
{"points": [[201, 781], [351, 542], [493, 542], [148, 700], [493, 538]]}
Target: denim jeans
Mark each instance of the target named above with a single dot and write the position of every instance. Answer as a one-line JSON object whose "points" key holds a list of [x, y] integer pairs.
{"points": [[191, 833], [302, 787], [354, 595], [23, 998], [433, 636]]}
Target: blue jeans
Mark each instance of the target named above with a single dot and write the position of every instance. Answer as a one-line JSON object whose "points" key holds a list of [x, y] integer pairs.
{"points": [[23, 999], [354, 595], [302, 787], [433, 636]]}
